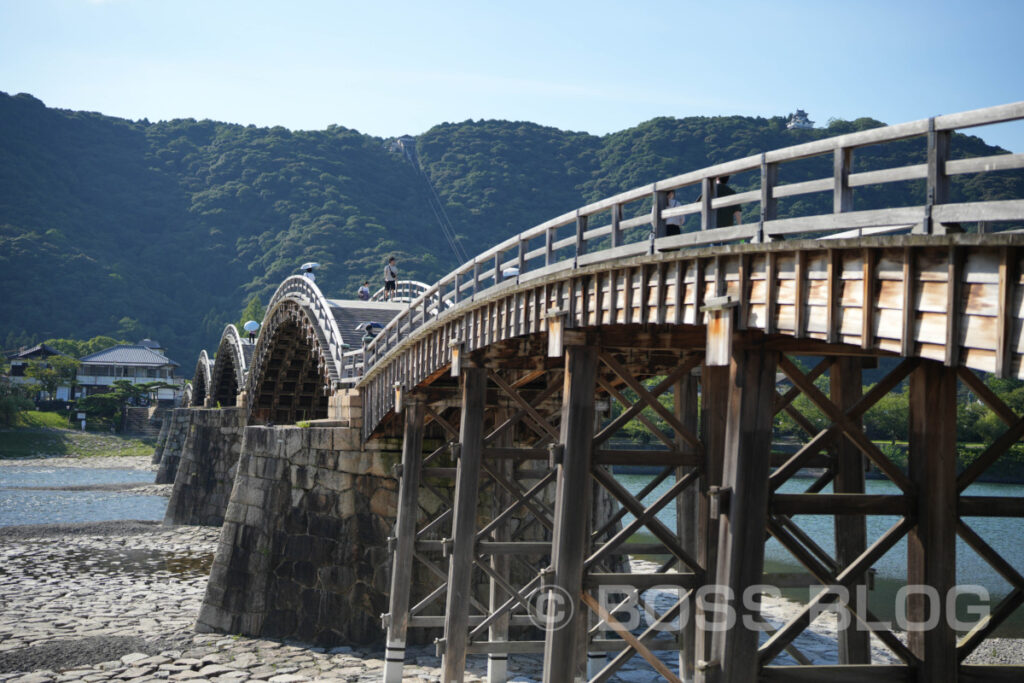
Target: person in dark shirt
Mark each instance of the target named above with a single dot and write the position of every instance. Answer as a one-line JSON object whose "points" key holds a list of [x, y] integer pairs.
{"points": [[727, 215]]}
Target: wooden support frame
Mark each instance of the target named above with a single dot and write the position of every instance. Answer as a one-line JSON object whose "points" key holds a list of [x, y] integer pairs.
{"points": [[747, 449], [931, 545], [563, 647], [397, 619], [460, 567]]}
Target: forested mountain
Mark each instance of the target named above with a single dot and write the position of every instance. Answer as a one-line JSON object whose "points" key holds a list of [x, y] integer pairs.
{"points": [[165, 230]]}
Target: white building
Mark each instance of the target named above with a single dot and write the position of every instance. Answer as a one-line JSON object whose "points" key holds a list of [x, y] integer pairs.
{"points": [[138, 363]]}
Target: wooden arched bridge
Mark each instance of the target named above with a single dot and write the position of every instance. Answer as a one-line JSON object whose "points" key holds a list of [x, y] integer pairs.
{"points": [[508, 378]]}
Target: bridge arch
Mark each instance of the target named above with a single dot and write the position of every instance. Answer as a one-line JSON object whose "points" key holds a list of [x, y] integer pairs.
{"points": [[201, 381], [298, 357], [230, 365]]}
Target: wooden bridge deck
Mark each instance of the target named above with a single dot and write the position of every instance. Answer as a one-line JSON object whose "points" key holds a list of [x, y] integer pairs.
{"points": [[509, 376]]}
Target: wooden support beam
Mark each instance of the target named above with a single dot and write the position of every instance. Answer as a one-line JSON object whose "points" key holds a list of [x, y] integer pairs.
{"points": [[714, 389], [685, 409], [564, 647], [887, 673], [931, 545], [397, 622], [845, 386], [748, 437], [460, 565], [500, 564]]}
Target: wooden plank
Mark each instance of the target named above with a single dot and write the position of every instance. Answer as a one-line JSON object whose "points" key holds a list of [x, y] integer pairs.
{"points": [[817, 673], [908, 307], [867, 299], [1007, 262]]}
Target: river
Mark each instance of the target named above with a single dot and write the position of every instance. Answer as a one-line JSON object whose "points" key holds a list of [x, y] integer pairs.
{"points": [[1003, 535], [32, 494]]}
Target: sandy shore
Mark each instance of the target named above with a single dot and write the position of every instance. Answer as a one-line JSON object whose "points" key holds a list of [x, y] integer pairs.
{"points": [[118, 600]]}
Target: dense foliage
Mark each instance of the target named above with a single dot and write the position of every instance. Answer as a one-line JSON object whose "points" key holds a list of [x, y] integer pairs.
{"points": [[168, 230]]}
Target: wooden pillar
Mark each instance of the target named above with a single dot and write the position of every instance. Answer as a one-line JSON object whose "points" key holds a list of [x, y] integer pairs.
{"points": [[405, 538], [687, 516], [743, 506], [460, 564], [714, 387], [501, 563], [850, 530], [931, 545], [564, 640]]}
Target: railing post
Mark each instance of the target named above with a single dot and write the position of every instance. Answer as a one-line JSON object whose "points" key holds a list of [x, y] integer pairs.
{"points": [[458, 289], [769, 204], [581, 228], [842, 193], [521, 259], [938, 182], [549, 241], [498, 277], [707, 216], [659, 203], [476, 277], [616, 230]]}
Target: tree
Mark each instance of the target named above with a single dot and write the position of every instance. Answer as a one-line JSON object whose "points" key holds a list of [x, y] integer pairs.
{"points": [[13, 400], [889, 418], [54, 372], [254, 310]]}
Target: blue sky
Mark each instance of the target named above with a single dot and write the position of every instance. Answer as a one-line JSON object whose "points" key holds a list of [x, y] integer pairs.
{"points": [[388, 68]]}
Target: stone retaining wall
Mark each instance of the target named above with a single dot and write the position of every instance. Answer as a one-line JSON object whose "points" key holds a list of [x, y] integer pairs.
{"points": [[303, 551], [180, 419], [206, 471], [161, 439]]}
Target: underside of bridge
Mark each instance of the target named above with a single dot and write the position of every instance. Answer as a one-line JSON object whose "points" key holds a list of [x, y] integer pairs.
{"points": [[532, 390], [291, 385]]}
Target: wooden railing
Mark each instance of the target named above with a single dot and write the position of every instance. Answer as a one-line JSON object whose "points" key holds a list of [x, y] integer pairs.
{"points": [[633, 222], [299, 288], [405, 291]]}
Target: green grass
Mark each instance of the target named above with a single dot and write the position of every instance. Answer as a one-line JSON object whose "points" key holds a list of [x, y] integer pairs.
{"points": [[39, 420], [43, 442]]}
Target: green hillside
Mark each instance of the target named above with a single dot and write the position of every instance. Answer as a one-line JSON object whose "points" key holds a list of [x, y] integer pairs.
{"points": [[165, 230]]}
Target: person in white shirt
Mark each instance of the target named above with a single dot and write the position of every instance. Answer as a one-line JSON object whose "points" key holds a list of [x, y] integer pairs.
{"points": [[390, 279]]}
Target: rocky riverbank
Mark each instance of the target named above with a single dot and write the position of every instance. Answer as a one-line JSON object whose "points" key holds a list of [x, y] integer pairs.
{"points": [[118, 601]]}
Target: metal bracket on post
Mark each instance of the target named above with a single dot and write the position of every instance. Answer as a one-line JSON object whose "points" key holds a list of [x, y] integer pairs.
{"points": [[399, 397], [555, 451], [720, 497], [720, 319], [456, 347], [556, 329]]}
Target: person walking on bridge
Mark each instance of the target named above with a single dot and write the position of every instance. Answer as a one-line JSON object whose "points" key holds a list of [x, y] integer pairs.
{"points": [[390, 279], [364, 291]]}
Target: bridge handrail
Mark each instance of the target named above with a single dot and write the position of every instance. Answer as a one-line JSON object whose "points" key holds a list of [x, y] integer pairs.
{"points": [[495, 265], [230, 336], [306, 291], [405, 290]]}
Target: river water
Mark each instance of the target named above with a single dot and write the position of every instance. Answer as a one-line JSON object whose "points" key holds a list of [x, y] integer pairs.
{"points": [[1003, 535], [30, 494]]}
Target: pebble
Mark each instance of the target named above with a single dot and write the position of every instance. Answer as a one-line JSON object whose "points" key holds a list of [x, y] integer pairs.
{"points": [[103, 607]]}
